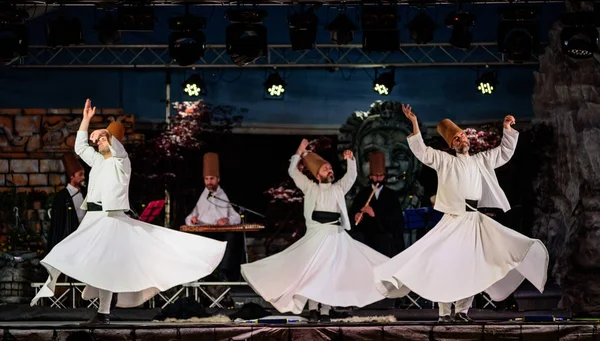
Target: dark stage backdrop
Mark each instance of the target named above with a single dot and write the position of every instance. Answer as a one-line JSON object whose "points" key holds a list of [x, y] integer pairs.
{"points": [[251, 164]]}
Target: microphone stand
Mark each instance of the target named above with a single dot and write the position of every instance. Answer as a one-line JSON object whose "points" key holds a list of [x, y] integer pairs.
{"points": [[242, 209]]}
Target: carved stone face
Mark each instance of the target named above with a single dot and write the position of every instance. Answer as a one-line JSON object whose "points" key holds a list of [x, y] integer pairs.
{"points": [[399, 161]]}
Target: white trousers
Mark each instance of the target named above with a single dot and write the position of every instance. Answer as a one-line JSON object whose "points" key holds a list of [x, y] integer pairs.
{"points": [[460, 306], [105, 298], [313, 305]]}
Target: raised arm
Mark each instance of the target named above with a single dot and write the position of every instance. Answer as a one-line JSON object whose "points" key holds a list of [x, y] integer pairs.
{"points": [[349, 178], [299, 179], [82, 148], [500, 155], [427, 155]]}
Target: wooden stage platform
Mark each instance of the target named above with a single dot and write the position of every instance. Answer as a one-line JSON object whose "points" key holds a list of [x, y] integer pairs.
{"points": [[138, 331]]}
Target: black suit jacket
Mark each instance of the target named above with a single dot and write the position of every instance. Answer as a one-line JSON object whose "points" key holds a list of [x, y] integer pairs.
{"points": [[64, 217], [388, 215]]}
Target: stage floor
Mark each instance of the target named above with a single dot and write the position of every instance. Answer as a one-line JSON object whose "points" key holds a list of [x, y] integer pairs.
{"points": [[146, 331]]}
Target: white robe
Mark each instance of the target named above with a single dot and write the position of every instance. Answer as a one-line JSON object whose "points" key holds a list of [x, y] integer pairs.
{"points": [[113, 252], [326, 265], [466, 252], [210, 210]]}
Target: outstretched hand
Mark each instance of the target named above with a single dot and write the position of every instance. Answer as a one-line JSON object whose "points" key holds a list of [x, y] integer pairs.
{"points": [[348, 154], [302, 148], [88, 111], [407, 110], [97, 133], [508, 121]]}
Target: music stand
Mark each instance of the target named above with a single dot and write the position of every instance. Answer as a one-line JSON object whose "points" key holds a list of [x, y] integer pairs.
{"points": [[242, 216], [152, 211]]}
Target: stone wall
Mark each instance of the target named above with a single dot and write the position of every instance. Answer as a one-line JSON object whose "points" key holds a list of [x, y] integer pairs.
{"points": [[566, 104], [32, 142]]}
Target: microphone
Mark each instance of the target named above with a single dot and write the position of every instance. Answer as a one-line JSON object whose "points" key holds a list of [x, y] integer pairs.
{"points": [[209, 195]]}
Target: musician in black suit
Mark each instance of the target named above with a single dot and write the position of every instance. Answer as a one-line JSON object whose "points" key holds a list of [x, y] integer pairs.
{"points": [[381, 226], [66, 213]]}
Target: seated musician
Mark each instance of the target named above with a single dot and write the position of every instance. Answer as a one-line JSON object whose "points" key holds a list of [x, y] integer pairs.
{"points": [[381, 226], [212, 211]]}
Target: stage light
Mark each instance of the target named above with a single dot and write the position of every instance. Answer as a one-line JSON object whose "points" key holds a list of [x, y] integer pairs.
{"points": [[108, 31], [384, 83], [341, 30], [518, 33], [63, 31], [187, 43], [194, 86], [275, 86], [380, 28], [579, 36], [421, 28], [303, 29], [13, 43], [486, 84], [136, 18], [246, 37], [460, 22]]}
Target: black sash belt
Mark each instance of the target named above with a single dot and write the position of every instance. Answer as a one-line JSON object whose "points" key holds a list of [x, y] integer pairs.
{"points": [[326, 217], [91, 207], [472, 203]]}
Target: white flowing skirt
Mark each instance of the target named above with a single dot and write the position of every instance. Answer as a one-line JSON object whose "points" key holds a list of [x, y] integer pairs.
{"points": [[463, 256], [113, 252], [326, 265]]}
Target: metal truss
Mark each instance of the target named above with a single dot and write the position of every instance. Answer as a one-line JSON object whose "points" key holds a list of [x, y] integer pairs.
{"points": [[280, 56]]}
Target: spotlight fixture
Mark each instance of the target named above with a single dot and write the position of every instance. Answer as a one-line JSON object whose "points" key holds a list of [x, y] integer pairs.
{"points": [[460, 22], [63, 31], [380, 28], [579, 36], [194, 86], [187, 43], [275, 86], [303, 29], [384, 83], [421, 28], [486, 84], [246, 37], [518, 33], [341, 30], [108, 30], [136, 18]]}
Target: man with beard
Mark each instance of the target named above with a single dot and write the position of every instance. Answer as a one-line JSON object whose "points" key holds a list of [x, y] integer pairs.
{"points": [[113, 253], [212, 208], [466, 252], [66, 213], [380, 224], [326, 265]]}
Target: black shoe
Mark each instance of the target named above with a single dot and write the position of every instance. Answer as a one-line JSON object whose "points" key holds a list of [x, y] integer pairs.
{"points": [[96, 320], [462, 318], [325, 319], [313, 317], [445, 319]]}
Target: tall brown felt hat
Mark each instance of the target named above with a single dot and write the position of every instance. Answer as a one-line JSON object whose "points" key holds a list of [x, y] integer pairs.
{"points": [[117, 130], [313, 162], [211, 165], [71, 164], [377, 162], [448, 130]]}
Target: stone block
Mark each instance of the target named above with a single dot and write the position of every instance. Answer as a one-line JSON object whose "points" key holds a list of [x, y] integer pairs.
{"points": [[17, 179], [51, 166], [5, 189], [57, 179], [59, 111], [112, 111], [56, 129], [2, 179], [11, 112], [24, 166], [24, 190], [7, 123], [39, 179], [35, 111], [3, 166], [27, 125], [48, 190]]}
